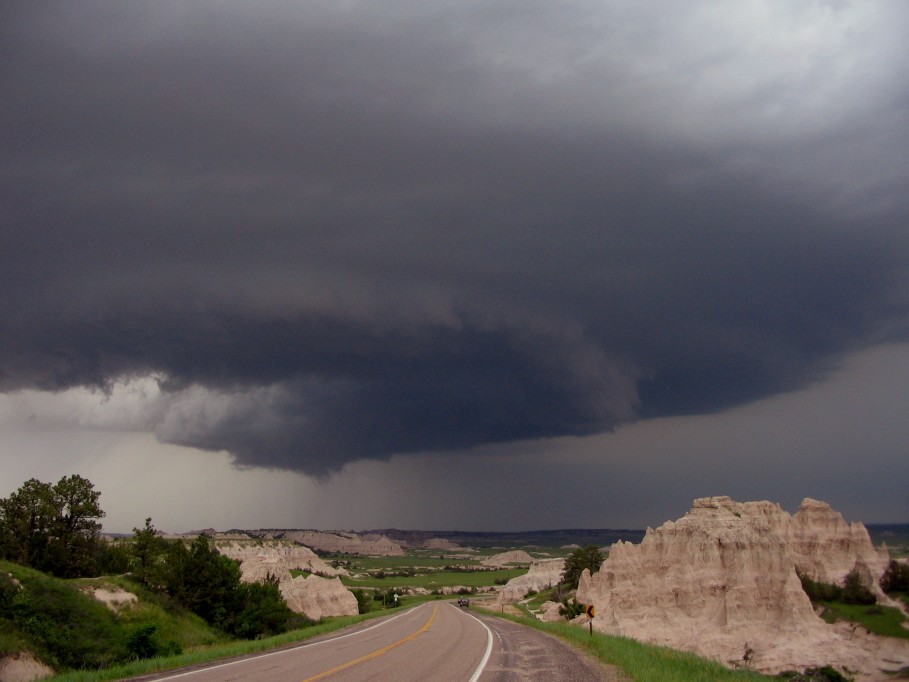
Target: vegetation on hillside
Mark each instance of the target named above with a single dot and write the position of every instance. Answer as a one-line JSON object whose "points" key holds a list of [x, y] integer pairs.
{"points": [[895, 581], [855, 602], [50, 543]]}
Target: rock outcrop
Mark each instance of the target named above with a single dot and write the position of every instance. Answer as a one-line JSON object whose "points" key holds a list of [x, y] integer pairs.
{"points": [[257, 558], [825, 547], [542, 575], [318, 597], [725, 577], [22, 667], [504, 558], [313, 596], [346, 543]]}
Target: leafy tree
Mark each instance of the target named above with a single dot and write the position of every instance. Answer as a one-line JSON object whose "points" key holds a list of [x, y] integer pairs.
{"points": [[571, 608], [855, 591], [208, 584], [203, 580], [77, 530], [27, 520], [148, 550], [896, 577], [113, 557], [589, 557], [819, 591], [364, 604], [52, 528], [261, 610]]}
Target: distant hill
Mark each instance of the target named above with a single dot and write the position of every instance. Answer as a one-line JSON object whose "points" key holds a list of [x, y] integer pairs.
{"points": [[896, 535], [542, 538]]}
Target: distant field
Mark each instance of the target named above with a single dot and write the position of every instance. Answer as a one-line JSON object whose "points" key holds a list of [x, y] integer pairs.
{"points": [[896, 535], [529, 539], [429, 570]]}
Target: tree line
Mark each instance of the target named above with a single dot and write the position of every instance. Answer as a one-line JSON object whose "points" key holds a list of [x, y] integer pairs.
{"points": [[56, 529]]}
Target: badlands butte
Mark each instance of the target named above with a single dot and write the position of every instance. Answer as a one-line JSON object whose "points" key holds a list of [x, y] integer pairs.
{"points": [[721, 581]]}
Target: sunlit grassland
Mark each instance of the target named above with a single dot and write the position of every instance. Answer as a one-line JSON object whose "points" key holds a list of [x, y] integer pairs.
{"points": [[437, 580], [881, 620], [409, 560]]}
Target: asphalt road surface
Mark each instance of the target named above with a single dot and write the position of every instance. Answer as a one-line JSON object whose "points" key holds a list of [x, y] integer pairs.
{"points": [[434, 641]]}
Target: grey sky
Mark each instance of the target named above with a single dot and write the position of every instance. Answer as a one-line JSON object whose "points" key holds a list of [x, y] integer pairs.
{"points": [[334, 237]]}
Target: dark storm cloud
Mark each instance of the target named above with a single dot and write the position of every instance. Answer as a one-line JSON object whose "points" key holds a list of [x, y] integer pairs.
{"points": [[338, 232]]}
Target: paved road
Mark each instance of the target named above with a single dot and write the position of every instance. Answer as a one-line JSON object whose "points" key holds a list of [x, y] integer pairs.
{"points": [[434, 641]]}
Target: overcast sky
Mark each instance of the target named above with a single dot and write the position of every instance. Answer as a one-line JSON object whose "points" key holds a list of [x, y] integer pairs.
{"points": [[479, 265]]}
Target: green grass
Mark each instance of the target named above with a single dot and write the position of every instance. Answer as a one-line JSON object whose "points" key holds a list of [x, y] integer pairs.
{"points": [[67, 628], [410, 560], [226, 651], [435, 581], [881, 620], [640, 662]]}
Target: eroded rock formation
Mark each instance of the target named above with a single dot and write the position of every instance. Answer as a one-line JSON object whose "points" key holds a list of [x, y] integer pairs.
{"points": [[319, 597], [325, 596], [346, 543], [504, 558], [725, 576], [22, 667], [542, 575]]}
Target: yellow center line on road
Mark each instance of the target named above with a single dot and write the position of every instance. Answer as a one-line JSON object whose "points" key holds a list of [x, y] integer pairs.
{"points": [[377, 652]]}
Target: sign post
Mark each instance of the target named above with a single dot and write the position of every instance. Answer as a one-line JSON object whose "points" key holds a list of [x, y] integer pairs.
{"points": [[591, 612]]}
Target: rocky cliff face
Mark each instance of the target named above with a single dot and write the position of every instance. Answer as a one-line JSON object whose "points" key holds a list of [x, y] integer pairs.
{"points": [[313, 598], [346, 543], [518, 556], [725, 575], [825, 547], [318, 597], [542, 575]]}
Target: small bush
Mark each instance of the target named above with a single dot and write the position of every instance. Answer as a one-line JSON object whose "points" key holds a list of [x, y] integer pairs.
{"points": [[70, 629], [818, 591], [363, 601], [141, 643], [854, 590], [895, 578], [826, 673], [571, 609]]}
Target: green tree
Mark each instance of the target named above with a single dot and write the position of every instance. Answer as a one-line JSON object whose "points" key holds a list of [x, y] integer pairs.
{"points": [[52, 528], [203, 580], [364, 603], [27, 521], [571, 608], [76, 527], [855, 591], [148, 549], [896, 577], [589, 557], [261, 610]]}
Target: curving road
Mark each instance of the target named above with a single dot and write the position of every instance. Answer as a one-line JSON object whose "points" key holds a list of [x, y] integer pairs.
{"points": [[434, 641]]}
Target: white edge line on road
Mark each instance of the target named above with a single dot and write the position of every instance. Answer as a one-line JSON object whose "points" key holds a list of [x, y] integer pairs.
{"points": [[288, 650], [482, 666]]}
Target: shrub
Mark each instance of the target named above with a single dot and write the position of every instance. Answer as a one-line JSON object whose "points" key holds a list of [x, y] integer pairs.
{"points": [[896, 577], [70, 629], [826, 673], [363, 601], [854, 590], [571, 609], [589, 557], [141, 643], [818, 591]]}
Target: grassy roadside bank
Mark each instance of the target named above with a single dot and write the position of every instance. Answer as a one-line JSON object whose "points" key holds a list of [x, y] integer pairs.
{"points": [[640, 662], [226, 651]]}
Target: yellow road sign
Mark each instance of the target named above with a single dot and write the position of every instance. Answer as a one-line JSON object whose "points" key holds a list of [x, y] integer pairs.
{"points": [[591, 612]]}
